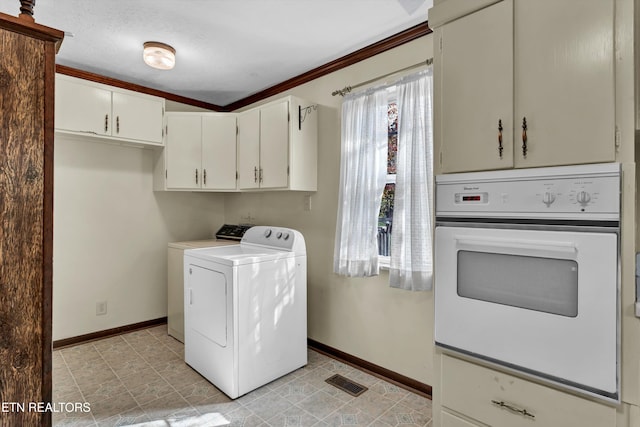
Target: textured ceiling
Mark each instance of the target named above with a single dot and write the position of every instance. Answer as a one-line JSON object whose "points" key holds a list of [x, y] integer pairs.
{"points": [[226, 49]]}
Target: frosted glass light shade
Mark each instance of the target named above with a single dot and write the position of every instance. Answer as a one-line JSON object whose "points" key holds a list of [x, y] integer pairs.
{"points": [[159, 55]]}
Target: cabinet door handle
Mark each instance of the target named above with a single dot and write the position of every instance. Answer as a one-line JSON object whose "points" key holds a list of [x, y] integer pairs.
{"points": [[106, 122], [204, 176], [512, 408], [196, 176], [117, 124], [524, 137], [261, 175], [500, 129], [255, 174]]}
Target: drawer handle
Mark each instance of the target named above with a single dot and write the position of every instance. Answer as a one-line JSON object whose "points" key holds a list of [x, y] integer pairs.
{"points": [[522, 412], [500, 129], [524, 137]]}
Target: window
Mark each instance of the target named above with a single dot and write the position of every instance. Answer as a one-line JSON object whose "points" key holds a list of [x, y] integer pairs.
{"points": [[385, 217], [384, 211]]}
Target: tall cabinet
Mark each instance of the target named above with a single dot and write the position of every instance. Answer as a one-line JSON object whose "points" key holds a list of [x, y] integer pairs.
{"points": [[519, 84], [523, 83], [27, 74]]}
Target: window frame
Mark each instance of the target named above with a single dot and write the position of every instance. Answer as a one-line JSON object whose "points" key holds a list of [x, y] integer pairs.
{"points": [[384, 261]]}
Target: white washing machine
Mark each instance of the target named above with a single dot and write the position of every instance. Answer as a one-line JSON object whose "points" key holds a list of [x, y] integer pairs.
{"points": [[246, 309]]}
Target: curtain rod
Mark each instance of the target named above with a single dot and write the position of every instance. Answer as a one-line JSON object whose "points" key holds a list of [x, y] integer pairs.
{"points": [[347, 89]]}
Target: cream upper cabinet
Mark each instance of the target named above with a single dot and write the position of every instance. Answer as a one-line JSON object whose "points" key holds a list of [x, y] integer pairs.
{"points": [[219, 151], [274, 145], [97, 110], [248, 149], [200, 152], [263, 142], [277, 146], [524, 84], [476, 90], [183, 151]]}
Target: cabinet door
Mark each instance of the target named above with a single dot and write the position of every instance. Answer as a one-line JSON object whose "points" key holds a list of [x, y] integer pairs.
{"points": [[82, 107], [248, 149], [183, 151], [137, 117], [274, 145], [477, 90], [219, 151], [564, 81]]}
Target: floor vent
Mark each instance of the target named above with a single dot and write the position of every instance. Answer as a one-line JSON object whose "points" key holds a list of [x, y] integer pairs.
{"points": [[346, 385]]}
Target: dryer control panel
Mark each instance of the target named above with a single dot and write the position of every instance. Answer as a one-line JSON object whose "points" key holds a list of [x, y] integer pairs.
{"points": [[275, 237]]}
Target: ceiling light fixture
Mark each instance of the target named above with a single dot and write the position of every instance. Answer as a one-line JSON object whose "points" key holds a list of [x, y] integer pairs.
{"points": [[159, 55]]}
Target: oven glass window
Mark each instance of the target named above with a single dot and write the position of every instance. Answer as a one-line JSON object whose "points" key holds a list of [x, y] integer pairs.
{"points": [[543, 284]]}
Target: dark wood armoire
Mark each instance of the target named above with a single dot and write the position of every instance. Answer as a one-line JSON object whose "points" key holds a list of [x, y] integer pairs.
{"points": [[27, 76]]}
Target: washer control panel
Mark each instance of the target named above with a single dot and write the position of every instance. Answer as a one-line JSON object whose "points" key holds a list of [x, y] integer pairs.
{"points": [[274, 237]]}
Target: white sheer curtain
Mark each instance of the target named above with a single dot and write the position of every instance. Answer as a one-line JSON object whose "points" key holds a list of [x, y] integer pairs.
{"points": [[362, 179], [411, 239]]}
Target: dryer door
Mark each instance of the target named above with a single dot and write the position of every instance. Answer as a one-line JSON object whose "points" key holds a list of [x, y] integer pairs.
{"points": [[206, 303]]}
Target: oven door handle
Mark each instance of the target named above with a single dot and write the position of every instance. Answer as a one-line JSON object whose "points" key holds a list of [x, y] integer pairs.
{"points": [[518, 247]]}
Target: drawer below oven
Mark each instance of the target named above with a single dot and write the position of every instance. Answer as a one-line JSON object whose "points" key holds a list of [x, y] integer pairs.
{"points": [[503, 400]]}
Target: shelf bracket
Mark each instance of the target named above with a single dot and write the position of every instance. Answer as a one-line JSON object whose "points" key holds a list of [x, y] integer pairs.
{"points": [[306, 110]]}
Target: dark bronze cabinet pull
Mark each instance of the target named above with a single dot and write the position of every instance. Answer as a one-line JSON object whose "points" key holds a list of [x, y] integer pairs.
{"points": [[500, 128], [512, 408], [117, 124], [255, 174], [196, 176], [106, 122], [204, 177], [524, 137]]}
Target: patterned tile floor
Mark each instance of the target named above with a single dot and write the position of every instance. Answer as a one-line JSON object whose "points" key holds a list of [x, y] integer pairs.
{"points": [[140, 378]]}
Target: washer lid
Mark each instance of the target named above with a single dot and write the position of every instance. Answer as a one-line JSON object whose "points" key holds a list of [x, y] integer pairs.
{"points": [[238, 254]]}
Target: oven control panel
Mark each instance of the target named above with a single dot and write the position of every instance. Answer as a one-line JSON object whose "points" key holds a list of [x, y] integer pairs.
{"points": [[590, 191]]}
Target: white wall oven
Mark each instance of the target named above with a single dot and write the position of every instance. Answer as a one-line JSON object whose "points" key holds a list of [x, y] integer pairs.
{"points": [[527, 272]]}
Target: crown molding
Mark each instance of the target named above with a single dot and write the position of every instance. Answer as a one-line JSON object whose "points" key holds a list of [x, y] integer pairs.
{"points": [[86, 75], [391, 42]]}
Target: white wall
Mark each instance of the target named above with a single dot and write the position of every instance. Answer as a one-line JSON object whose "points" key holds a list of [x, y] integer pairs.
{"points": [[362, 317], [111, 233]]}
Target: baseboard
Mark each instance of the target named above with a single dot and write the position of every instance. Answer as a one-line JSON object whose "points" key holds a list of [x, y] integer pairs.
{"points": [[380, 372], [107, 333]]}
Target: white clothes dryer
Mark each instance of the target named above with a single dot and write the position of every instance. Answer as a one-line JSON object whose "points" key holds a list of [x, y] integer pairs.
{"points": [[246, 309]]}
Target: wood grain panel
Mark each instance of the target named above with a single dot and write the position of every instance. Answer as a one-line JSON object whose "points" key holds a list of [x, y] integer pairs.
{"points": [[26, 217], [21, 222]]}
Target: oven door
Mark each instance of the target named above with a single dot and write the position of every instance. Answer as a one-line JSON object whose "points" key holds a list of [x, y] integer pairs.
{"points": [[541, 302]]}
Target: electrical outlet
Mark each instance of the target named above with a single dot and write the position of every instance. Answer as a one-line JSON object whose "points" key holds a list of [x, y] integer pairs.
{"points": [[307, 203], [101, 308]]}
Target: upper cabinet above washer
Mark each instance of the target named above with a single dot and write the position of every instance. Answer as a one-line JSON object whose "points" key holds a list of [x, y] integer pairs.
{"points": [[97, 110], [522, 83], [277, 146], [199, 153]]}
